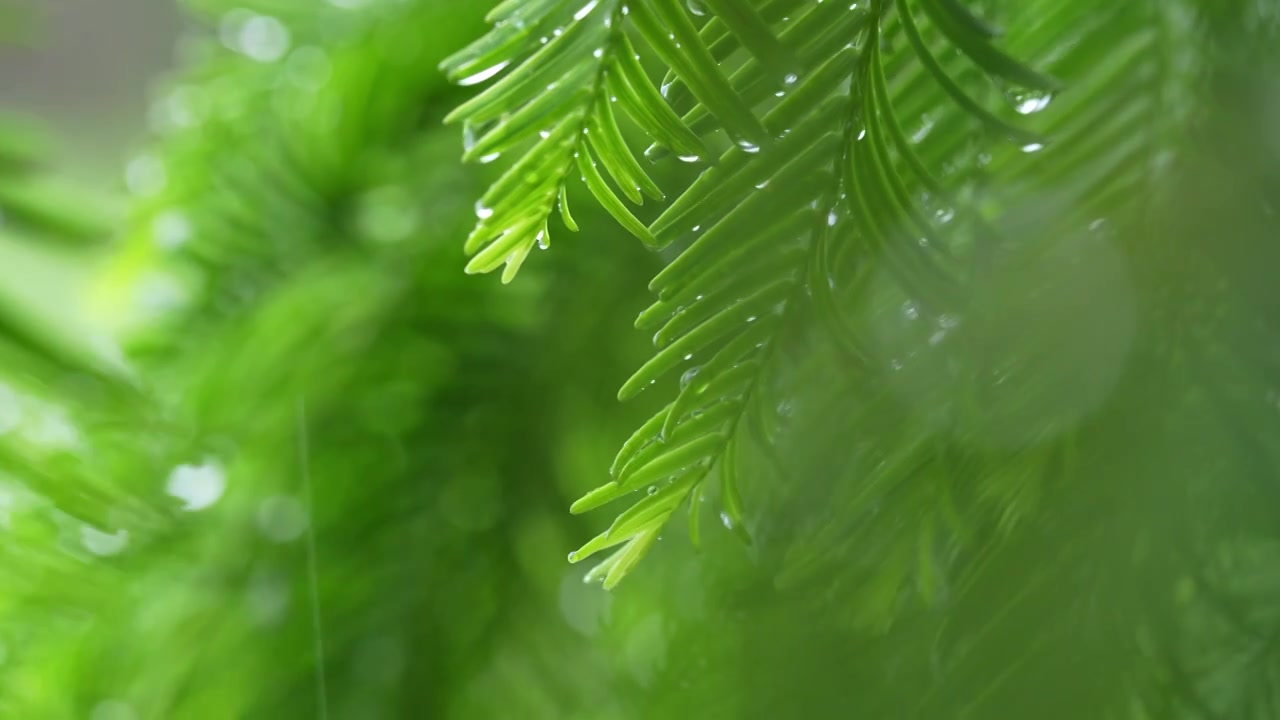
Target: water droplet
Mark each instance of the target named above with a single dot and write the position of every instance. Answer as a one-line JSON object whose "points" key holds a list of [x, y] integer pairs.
{"points": [[159, 292], [763, 185], [1032, 147], [309, 68], [748, 147], [832, 218], [790, 79], [653, 489], [257, 37], [909, 309], [696, 228], [696, 7], [688, 377], [103, 544], [170, 229], [544, 242], [199, 486], [573, 556], [945, 215], [282, 519], [486, 159], [726, 520], [688, 158], [752, 319], [597, 53], [145, 176], [862, 133], [1032, 102], [468, 136], [482, 212]]}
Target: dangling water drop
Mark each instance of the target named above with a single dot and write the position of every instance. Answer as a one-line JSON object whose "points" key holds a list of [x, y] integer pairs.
{"points": [[1032, 147], [748, 147], [486, 159], [696, 7], [689, 158], [1030, 102], [483, 212], [688, 377]]}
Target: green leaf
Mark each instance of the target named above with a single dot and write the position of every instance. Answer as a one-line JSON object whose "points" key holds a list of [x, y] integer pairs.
{"points": [[643, 103], [676, 458], [598, 187], [667, 29], [1013, 132], [968, 37], [606, 139], [743, 21]]}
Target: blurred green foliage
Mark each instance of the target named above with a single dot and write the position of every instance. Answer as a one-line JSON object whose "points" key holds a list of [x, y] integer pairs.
{"points": [[280, 457]]}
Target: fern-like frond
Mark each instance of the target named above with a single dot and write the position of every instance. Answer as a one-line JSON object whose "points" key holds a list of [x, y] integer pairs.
{"points": [[562, 68], [881, 153], [772, 217]]}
